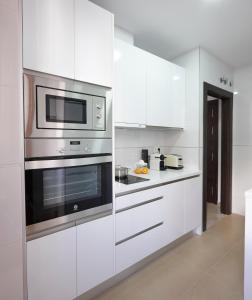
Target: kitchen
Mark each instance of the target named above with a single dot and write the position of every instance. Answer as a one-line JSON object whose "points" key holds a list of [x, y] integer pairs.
{"points": [[90, 103]]}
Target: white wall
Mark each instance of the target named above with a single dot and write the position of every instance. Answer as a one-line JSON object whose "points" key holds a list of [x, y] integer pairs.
{"points": [[242, 138], [11, 153], [130, 142], [211, 70], [123, 35]]}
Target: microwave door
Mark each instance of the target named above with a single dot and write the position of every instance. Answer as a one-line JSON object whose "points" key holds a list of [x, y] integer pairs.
{"points": [[58, 109]]}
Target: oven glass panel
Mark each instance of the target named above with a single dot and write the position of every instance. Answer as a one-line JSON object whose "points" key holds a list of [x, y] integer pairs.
{"points": [[65, 110], [51, 193], [71, 184]]}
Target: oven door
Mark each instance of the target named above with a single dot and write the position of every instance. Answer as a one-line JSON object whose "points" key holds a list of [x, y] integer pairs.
{"points": [[59, 109], [64, 190]]}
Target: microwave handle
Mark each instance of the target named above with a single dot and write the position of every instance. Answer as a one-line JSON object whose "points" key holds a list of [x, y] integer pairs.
{"points": [[62, 163]]}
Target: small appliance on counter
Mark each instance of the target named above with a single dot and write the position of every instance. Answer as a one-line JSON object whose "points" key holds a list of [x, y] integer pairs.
{"points": [[121, 172], [174, 161], [145, 157], [157, 161]]}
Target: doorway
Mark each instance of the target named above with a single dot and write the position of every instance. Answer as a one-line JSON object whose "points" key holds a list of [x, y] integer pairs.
{"points": [[217, 153]]}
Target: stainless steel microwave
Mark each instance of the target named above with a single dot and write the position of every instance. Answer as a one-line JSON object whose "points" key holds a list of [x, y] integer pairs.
{"points": [[56, 107]]}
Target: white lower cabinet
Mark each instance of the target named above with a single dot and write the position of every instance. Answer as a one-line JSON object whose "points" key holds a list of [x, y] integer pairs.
{"points": [[64, 265], [135, 249], [193, 203], [173, 211], [151, 219], [138, 219], [51, 266], [95, 253], [139, 223]]}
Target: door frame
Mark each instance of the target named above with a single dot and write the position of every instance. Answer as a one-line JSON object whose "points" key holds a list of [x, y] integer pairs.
{"points": [[226, 148]]}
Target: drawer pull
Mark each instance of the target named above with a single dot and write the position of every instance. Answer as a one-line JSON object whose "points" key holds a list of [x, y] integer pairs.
{"points": [[139, 204], [139, 233]]}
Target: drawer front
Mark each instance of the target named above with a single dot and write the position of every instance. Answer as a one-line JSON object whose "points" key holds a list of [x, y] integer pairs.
{"points": [[131, 221], [138, 247], [138, 197]]}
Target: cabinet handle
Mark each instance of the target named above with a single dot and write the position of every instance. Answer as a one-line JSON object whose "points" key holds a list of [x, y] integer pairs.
{"points": [[139, 233], [139, 204]]}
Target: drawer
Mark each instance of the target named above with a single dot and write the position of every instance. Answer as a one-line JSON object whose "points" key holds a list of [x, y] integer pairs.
{"points": [[138, 197], [138, 247], [130, 221]]}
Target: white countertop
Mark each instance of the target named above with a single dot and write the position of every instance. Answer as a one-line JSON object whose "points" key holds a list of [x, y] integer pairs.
{"points": [[156, 178]]}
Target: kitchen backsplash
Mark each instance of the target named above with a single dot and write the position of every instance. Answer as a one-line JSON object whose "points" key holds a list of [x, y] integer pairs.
{"points": [[130, 142]]}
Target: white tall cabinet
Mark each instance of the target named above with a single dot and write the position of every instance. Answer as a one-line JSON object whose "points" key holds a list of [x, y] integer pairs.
{"points": [[94, 31], [11, 153], [69, 38], [48, 36], [130, 84]]}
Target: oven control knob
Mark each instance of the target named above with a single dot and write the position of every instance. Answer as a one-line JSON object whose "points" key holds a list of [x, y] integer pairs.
{"points": [[99, 116], [98, 106], [75, 207]]}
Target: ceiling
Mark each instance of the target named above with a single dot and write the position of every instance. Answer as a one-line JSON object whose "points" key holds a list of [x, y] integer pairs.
{"points": [[169, 28]]}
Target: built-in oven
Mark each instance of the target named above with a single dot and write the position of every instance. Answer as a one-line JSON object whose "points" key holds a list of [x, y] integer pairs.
{"points": [[62, 189], [56, 107]]}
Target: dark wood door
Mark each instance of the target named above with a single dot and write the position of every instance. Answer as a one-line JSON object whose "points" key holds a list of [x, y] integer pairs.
{"points": [[212, 150]]}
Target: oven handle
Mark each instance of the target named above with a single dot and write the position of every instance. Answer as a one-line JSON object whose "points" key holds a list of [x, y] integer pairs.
{"points": [[62, 163]]}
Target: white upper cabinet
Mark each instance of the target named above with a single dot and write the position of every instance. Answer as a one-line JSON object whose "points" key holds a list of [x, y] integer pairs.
{"points": [[94, 34], [148, 90], [48, 36], [158, 91], [177, 96], [69, 38], [130, 84], [165, 93]]}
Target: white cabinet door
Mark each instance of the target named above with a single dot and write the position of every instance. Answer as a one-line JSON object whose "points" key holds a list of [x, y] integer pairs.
{"points": [[94, 31], [173, 211], [158, 92], [51, 266], [193, 203], [131, 221], [177, 96], [165, 93], [48, 36], [130, 84], [137, 248], [95, 253]]}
